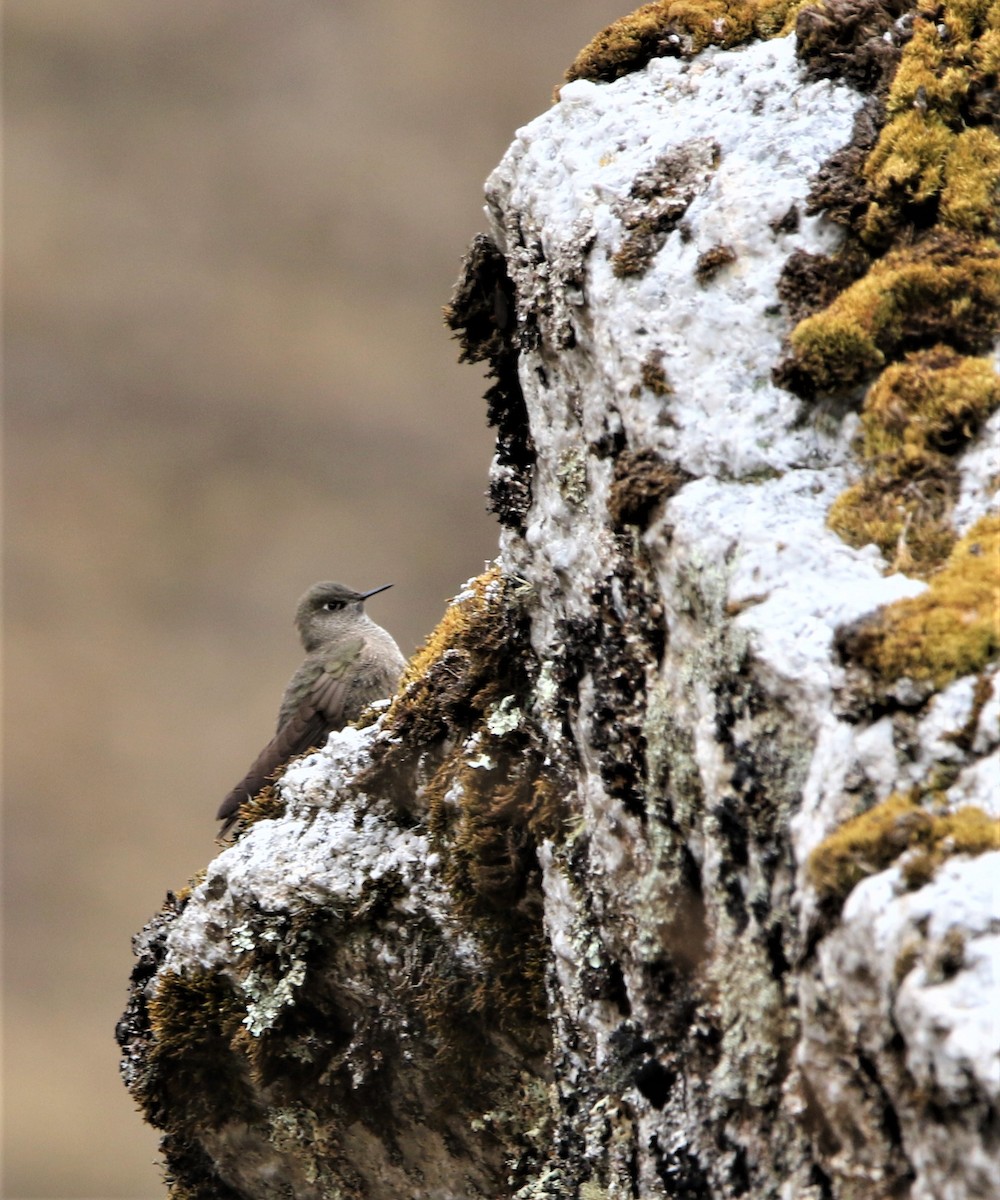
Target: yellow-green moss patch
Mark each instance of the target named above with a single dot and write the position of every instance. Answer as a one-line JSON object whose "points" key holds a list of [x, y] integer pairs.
{"points": [[917, 415], [869, 843], [951, 629], [943, 289], [931, 403], [937, 157], [970, 198], [674, 27], [904, 514]]}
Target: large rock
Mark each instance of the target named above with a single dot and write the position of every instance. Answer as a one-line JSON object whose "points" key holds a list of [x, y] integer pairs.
{"points": [[672, 869]]}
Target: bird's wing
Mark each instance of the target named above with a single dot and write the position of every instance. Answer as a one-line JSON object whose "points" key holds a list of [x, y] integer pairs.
{"points": [[320, 710], [328, 693]]}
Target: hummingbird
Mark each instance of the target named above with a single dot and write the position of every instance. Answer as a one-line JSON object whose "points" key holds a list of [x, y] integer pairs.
{"points": [[350, 663]]}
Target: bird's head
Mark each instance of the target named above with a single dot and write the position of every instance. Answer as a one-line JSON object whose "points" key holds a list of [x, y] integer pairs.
{"points": [[329, 609]]}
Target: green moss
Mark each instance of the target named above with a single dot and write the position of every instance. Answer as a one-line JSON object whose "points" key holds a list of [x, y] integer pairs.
{"points": [[869, 843], [678, 26], [932, 184], [951, 629], [917, 415], [905, 515], [931, 403], [834, 349], [967, 830], [951, 41], [943, 289], [906, 167]]}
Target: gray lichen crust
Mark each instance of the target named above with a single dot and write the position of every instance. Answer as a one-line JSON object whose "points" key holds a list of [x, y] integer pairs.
{"points": [[671, 869]]}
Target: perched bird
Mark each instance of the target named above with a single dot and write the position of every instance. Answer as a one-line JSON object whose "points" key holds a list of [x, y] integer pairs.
{"points": [[350, 663]]}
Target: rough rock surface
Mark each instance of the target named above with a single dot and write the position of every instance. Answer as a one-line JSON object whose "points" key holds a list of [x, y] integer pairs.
{"points": [[673, 870]]}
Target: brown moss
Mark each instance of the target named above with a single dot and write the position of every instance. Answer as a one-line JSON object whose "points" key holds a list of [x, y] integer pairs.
{"points": [[654, 375], [945, 288], [658, 199], [809, 282], [869, 843], [853, 40], [194, 1019], [678, 28], [478, 656], [267, 805], [918, 414], [641, 483], [951, 629], [483, 316], [711, 262], [839, 189], [641, 243], [471, 633], [488, 812], [490, 797]]}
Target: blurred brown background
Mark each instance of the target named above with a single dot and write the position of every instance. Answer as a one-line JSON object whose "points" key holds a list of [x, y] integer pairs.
{"points": [[230, 228]]}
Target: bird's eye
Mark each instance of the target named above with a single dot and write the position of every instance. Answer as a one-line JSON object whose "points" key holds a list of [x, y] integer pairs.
{"points": [[333, 605]]}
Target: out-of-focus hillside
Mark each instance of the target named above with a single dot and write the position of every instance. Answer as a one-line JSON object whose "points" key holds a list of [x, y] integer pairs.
{"points": [[230, 228]]}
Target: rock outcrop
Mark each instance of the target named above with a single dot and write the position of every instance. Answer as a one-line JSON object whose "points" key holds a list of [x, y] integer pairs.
{"points": [[672, 869]]}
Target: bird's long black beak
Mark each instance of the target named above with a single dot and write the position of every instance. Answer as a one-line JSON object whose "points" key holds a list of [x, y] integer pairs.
{"points": [[375, 591]]}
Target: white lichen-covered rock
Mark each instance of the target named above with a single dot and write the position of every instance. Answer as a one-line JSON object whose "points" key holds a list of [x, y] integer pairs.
{"points": [[741, 721], [910, 979], [659, 878]]}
